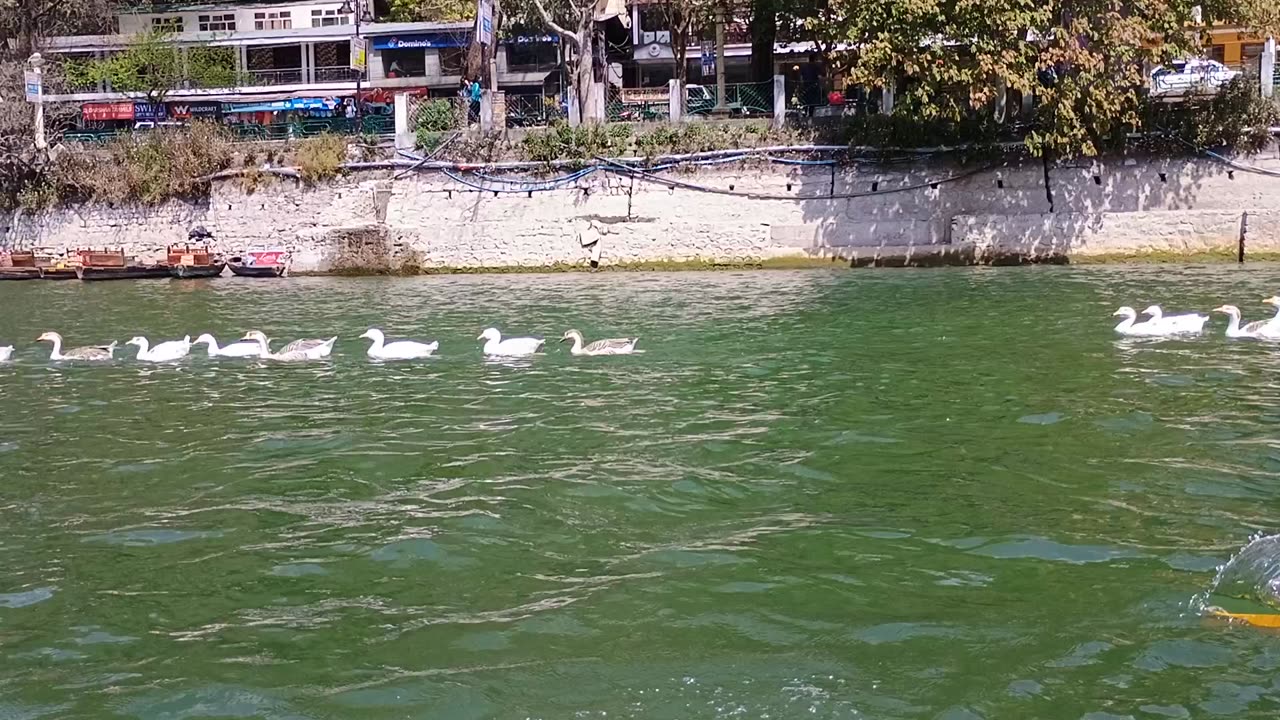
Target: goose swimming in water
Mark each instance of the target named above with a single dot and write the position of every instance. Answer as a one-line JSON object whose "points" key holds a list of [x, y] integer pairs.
{"points": [[610, 346], [1233, 329], [164, 352], [92, 352], [295, 351], [1176, 324], [398, 350], [511, 347], [1271, 329], [236, 349], [1129, 325], [6, 352]]}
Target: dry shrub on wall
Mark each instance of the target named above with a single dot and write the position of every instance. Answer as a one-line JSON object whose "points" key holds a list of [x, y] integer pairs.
{"points": [[321, 157], [146, 167]]}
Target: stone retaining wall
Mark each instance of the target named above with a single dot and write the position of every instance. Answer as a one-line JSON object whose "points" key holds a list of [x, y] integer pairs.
{"points": [[879, 212]]}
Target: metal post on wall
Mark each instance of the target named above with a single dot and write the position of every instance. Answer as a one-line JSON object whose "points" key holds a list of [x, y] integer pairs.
{"points": [[721, 108], [35, 94], [361, 12]]}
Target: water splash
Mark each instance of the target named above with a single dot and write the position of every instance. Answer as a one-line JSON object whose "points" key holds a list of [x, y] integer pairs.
{"points": [[1251, 575]]}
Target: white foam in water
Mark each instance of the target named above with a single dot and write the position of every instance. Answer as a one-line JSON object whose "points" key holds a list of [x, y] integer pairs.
{"points": [[1253, 573]]}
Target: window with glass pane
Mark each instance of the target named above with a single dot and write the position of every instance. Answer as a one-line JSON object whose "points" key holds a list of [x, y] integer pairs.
{"points": [[217, 23], [328, 18], [167, 24], [273, 20]]}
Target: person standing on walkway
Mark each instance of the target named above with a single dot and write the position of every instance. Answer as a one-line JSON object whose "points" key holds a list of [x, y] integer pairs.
{"points": [[475, 100]]}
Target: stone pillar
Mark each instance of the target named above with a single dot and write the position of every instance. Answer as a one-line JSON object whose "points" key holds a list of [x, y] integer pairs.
{"points": [[405, 136], [886, 98], [675, 100], [1001, 107], [779, 101], [486, 111], [1267, 68], [575, 113], [499, 115]]}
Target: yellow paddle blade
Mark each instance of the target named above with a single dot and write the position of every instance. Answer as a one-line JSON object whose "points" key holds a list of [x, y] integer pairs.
{"points": [[1266, 620]]}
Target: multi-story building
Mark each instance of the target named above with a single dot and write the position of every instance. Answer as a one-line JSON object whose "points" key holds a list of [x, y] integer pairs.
{"points": [[296, 56]]}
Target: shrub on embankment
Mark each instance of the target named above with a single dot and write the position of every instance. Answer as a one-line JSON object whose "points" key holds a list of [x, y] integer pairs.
{"points": [[158, 165]]}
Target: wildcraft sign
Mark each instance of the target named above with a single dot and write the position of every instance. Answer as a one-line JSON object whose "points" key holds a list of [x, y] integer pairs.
{"points": [[186, 111]]}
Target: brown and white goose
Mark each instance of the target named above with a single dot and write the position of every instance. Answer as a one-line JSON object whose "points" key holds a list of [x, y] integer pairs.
{"points": [[92, 352]]}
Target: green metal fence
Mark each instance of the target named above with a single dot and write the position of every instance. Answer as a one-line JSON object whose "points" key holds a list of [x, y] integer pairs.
{"points": [[301, 128], [740, 98]]}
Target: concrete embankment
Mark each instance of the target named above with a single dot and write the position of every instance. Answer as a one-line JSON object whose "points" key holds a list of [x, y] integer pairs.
{"points": [[928, 212]]}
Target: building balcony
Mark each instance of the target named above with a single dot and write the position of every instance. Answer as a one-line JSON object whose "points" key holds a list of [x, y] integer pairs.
{"points": [[287, 76], [335, 75]]}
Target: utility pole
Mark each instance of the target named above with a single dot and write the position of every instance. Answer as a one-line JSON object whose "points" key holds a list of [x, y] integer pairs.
{"points": [[358, 50], [721, 108]]}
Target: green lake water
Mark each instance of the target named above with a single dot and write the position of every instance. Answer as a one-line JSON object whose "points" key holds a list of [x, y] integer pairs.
{"points": [[908, 494]]}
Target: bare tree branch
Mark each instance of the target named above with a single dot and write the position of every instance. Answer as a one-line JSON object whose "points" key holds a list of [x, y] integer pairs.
{"points": [[555, 27]]}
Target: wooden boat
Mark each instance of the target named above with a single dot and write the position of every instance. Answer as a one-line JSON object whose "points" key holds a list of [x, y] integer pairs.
{"points": [[104, 265], [259, 263], [19, 273], [194, 262], [18, 266], [31, 265], [127, 272], [197, 271]]}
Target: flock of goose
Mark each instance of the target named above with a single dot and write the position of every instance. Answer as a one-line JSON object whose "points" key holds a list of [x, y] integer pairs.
{"points": [[1161, 325], [256, 345]]}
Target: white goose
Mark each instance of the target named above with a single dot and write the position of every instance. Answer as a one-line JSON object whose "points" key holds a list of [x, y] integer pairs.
{"points": [[295, 351], [511, 347], [398, 350], [6, 353], [1129, 325], [1176, 324], [164, 352], [610, 346], [1271, 329], [1233, 329], [236, 349], [96, 353]]}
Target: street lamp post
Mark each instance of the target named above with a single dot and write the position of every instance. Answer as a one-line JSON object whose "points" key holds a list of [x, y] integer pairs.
{"points": [[37, 69], [361, 13]]}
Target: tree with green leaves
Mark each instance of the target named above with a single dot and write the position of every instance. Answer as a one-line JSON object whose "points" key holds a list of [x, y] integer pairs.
{"points": [[1086, 61], [152, 65], [432, 10], [686, 20]]}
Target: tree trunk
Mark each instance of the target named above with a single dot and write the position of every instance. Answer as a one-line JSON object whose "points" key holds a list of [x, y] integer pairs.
{"points": [[587, 74], [680, 47], [764, 32]]}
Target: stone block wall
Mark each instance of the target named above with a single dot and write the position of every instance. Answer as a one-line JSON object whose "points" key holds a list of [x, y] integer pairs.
{"points": [[751, 211]]}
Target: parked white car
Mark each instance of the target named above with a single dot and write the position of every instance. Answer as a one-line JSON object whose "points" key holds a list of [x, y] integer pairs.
{"points": [[1195, 76]]}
